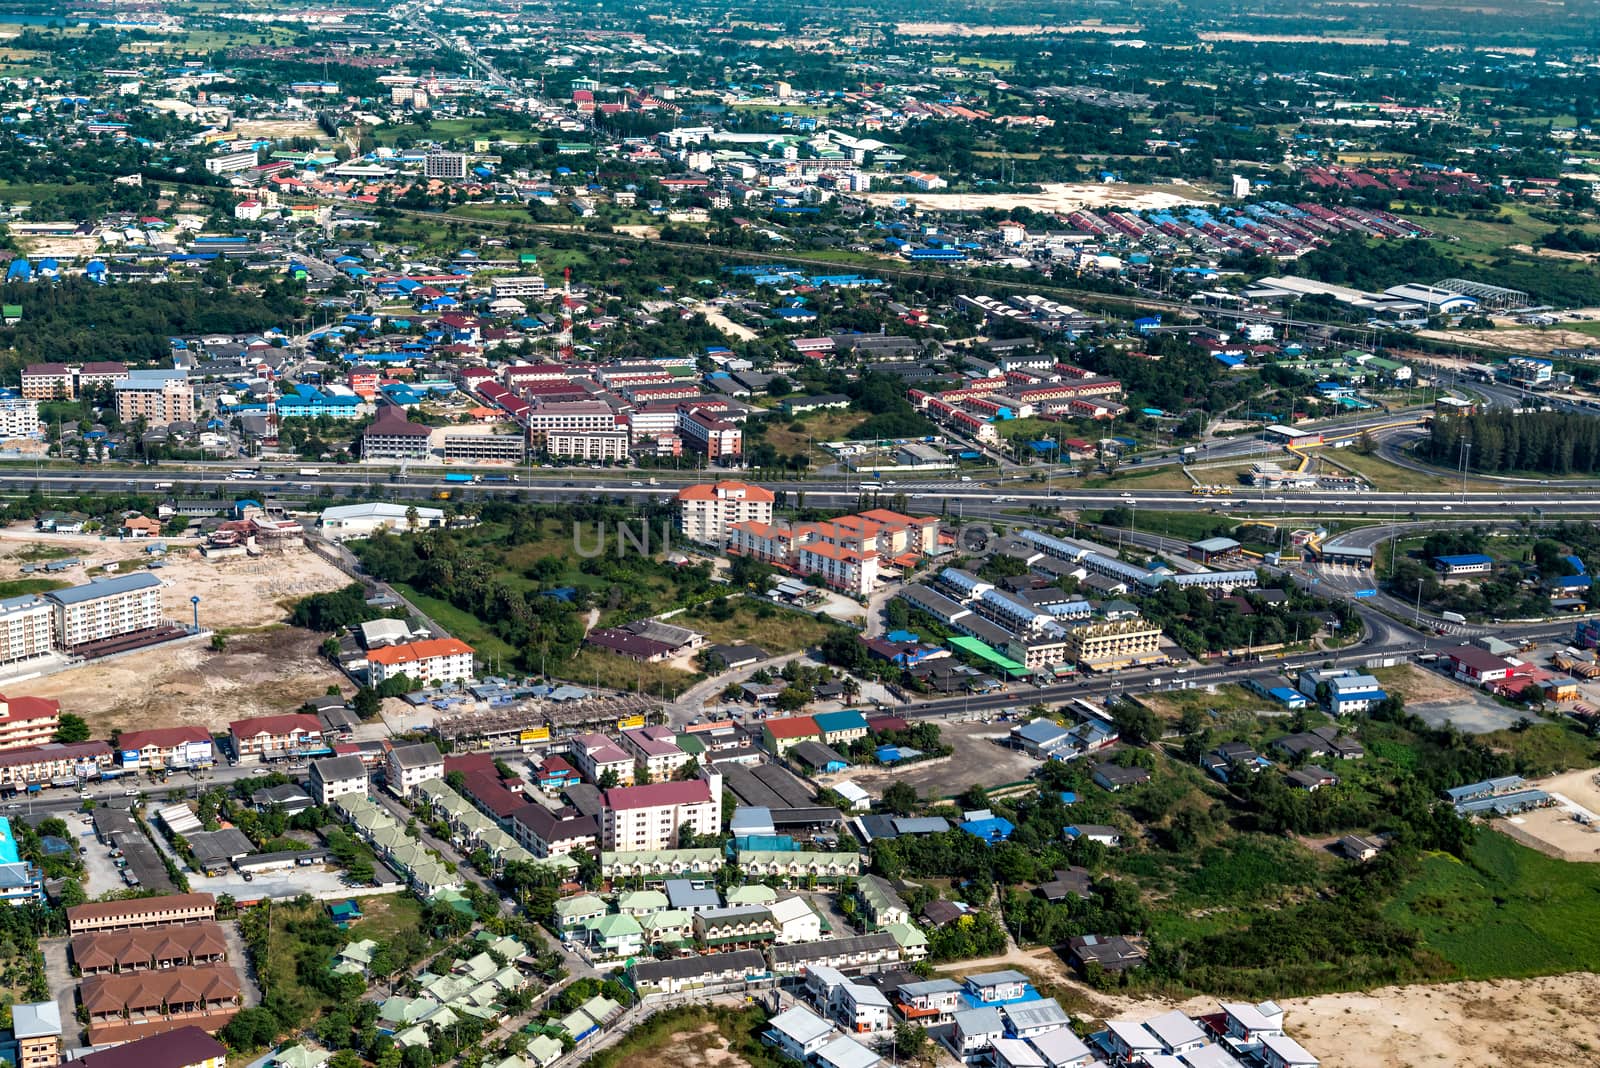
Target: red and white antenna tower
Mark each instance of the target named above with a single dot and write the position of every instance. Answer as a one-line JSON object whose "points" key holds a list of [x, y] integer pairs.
{"points": [[564, 341]]}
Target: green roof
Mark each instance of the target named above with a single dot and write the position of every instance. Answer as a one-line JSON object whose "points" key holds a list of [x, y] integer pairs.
{"points": [[985, 653]]}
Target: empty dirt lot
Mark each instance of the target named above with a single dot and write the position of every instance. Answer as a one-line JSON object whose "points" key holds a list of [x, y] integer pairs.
{"points": [[977, 760], [1554, 831], [267, 666]]}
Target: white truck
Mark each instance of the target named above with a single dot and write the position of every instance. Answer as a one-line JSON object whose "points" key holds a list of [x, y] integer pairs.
{"points": [[310, 472], [1452, 617]]}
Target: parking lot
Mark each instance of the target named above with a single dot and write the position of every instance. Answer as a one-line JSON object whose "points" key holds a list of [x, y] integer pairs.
{"points": [[318, 881]]}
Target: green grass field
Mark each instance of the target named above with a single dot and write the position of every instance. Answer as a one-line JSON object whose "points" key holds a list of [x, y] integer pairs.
{"points": [[1508, 912], [461, 624], [779, 631], [19, 587], [593, 667]]}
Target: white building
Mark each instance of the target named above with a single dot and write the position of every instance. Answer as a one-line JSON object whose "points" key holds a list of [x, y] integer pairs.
{"points": [[593, 445], [706, 511], [231, 162], [409, 766], [524, 285], [27, 628], [106, 608], [635, 818], [447, 166], [361, 520], [19, 417], [338, 776], [427, 663]]}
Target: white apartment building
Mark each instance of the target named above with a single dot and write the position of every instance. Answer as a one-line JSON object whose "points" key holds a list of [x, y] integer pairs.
{"points": [[706, 511], [436, 660], [595, 445], [568, 415], [409, 766], [19, 417], [27, 628], [231, 162], [526, 285], [648, 817], [106, 608], [595, 754], [340, 776], [656, 749], [158, 397], [447, 166], [843, 569]]}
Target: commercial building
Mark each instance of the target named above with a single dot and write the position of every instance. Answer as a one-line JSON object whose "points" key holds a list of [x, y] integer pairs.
{"points": [[276, 737], [462, 446], [363, 520], [20, 768], [595, 446], [232, 162], [49, 381], [106, 608], [166, 747], [28, 721], [140, 912], [716, 439], [527, 285], [1112, 643], [567, 415], [27, 628], [394, 437], [158, 397], [707, 511], [409, 766], [639, 818], [426, 663]]}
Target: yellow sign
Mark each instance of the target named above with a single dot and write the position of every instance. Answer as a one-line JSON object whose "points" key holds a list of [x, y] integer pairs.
{"points": [[628, 723], [536, 734]]}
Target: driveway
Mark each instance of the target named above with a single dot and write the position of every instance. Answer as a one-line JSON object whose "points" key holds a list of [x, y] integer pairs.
{"points": [[242, 966], [59, 976]]}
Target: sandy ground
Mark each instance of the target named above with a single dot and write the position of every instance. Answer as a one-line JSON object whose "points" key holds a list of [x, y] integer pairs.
{"points": [[279, 129], [1056, 196], [234, 593], [259, 674], [1457, 1025], [1423, 687], [1521, 338], [1569, 832], [725, 324]]}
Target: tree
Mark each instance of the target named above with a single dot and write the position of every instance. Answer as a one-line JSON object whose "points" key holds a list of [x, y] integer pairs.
{"points": [[900, 798], [366, 703], [219, 643], [72, 728]]}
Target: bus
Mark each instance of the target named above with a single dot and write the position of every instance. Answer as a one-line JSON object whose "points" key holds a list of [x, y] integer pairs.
{"points": [[244, 472]]}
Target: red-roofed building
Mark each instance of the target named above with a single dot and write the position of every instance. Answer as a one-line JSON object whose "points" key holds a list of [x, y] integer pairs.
{"points": [[26, 721], [781, 735], [276, 737], [707, 510], [167, 747], [424, 662]]}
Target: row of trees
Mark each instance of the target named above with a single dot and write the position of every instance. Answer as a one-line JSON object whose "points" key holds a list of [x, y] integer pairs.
{"points": [[1552, 443]]}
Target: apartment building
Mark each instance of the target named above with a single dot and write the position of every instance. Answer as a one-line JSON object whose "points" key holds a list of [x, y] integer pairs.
{"points": [[231, 162], [447, 166], [547, 833], [167, 747], [394, 437], [409, 766], [714, 438], [595, 754], [656, 750], [19, 417], [599, 446], [157, 397], [462, 446], [637, 818], [339, 776], [28, 721], [27, 628], [1112, 643], [437, 660], [106, 608], [161, 911], [707, 511], [567, 415], [275, 737], [37, 1028], [846, 570], [49, 381], [517, 287]]}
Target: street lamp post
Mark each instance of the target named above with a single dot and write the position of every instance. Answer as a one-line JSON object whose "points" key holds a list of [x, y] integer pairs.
{"points": [[1416, 618]]}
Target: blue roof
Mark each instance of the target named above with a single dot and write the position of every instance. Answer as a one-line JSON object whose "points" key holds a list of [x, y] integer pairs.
{"points": [[104, 587], [1464, 559], [848, 720], [902, 636], [993, 829], [8, 844]]}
